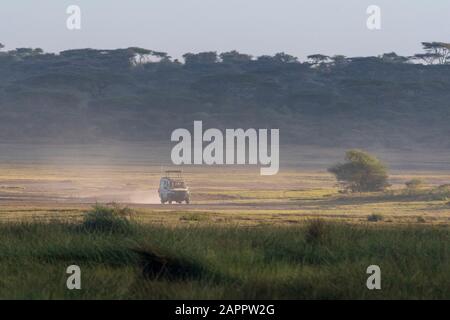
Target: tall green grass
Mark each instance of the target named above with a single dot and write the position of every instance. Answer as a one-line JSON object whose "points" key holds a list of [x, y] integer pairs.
{"points": [[109, 219], [313, 261]]}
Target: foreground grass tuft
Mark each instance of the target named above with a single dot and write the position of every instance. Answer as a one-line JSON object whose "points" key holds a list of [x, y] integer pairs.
{"points": [[316, 231], [112, 219]]}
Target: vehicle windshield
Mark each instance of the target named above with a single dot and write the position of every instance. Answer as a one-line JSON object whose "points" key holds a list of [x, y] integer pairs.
{"points": [[177, 184]]}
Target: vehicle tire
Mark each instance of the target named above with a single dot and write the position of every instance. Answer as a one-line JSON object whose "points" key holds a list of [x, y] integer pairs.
{"points": [[170, 201], [187, 201]]}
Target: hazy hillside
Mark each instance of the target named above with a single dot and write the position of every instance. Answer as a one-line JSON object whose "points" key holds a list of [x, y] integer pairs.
{"points": [[134, 94]]}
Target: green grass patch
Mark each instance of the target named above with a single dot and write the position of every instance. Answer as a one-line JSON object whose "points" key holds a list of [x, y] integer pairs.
{"points": [[315, 260], [195, 217], [109, 219]]}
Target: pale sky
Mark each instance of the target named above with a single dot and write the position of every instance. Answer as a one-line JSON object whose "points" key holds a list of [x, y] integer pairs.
{"points": [[251, 26]]}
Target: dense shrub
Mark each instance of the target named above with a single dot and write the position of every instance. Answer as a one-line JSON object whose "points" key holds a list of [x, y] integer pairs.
{"points": [[375, 217], [112, 219], [414, 184], [315, 231]]}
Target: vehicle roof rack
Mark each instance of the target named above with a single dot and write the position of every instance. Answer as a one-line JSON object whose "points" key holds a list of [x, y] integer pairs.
{"points": [[173, 174]]}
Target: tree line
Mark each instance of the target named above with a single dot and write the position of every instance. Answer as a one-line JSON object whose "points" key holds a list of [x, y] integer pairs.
{"points": [[434, 53]]}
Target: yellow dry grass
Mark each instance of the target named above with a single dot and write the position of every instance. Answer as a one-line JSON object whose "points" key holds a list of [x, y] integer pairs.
{"points": [[227, 195]]}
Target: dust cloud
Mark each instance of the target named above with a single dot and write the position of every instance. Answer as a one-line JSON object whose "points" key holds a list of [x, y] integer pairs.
{"points": [[144, 197]]}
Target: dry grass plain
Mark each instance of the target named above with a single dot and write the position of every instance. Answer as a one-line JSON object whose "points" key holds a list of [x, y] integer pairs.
{"points": [[225, 195]]}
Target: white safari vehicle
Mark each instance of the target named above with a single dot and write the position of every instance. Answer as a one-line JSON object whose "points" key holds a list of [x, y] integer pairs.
{"points": [[173, 188]]}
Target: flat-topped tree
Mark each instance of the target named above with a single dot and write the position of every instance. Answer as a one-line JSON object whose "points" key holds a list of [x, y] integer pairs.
{"points": [[440, 50], [285, 58], [141, 54], [318, 59], [361, 172], [339, 60], [428, 58], [26, 52], [278, 59], [235, 57], [210, 57], [392, 57]]}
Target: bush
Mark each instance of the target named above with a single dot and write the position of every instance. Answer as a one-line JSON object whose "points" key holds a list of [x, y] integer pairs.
{"points": [[440, 193], [315, 231], [421, 220], [110, 219], [375, 217], [415, 184], [361, 172]]}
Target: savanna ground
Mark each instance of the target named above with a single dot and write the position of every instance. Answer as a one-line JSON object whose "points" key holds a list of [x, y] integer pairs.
{"points": [[244, 236], [237, 196]]}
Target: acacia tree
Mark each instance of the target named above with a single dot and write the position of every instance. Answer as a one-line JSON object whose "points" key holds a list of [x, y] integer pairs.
{"points": [[285, 58], [339, 60], [428, 58], [235, 57], [435, 52], [392, 57], [162, 56], [361, 172], [279, 58], [318, 59], [209, 57], [140, 54], [441, 49]]}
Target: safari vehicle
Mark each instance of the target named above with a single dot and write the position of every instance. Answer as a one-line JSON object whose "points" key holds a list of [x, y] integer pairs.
{"points": [[173, 188]]}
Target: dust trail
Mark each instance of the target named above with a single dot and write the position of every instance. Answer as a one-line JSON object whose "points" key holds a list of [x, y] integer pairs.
{"points": [[145, 197]]}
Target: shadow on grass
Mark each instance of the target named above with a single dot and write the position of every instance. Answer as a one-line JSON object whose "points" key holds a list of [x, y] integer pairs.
{"points": [[156, 265]]}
